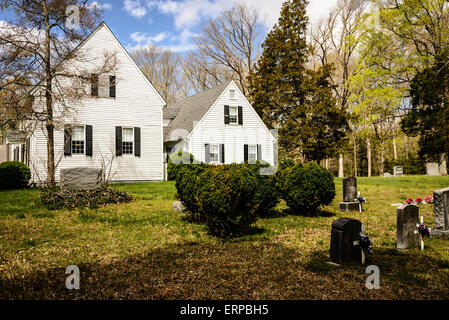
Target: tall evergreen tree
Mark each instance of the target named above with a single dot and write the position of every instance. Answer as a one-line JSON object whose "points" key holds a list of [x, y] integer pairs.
{"points": [[429, 115], [296, 100]]}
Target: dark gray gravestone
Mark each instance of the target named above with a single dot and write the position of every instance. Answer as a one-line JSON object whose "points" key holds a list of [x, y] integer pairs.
{"points": [[349, 189], [343, 234], [441, 213], [407, 217], [350, 202]]}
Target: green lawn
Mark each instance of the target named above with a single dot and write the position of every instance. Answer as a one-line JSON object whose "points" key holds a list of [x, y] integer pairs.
{"points": [[144, 250]]}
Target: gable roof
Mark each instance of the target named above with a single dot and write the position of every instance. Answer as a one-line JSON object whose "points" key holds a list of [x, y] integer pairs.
{"points": [[85, 40], [189, 110]]}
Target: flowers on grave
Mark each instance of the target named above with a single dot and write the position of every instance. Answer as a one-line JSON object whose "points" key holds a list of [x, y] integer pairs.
{"points": [[366, 244], [423, 230], [418, 200], [429, 199], [409, 201], [360, 198]]}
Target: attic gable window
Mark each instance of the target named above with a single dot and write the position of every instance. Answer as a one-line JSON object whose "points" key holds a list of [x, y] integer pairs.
{"points": [[233, 115], [103, 86], [232, 94]]}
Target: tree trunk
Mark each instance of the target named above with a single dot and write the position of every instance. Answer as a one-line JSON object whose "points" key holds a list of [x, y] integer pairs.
{"points": [[49, 125], [382, 156], [327, 163], [368, 155], [341, 172], [355, 159], [443, 164], [395, 149]]}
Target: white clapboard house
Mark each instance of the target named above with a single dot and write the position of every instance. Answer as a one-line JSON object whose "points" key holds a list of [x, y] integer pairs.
{"points": [[217, 126], [121, 116]]}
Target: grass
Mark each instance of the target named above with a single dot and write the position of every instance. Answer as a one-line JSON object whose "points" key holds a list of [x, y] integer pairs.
{"points": [[145, 250]]}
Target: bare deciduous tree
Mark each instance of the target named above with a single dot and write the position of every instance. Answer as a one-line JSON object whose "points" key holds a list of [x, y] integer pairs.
{"points": [[163, 68], [38, 55], [230, 41]]}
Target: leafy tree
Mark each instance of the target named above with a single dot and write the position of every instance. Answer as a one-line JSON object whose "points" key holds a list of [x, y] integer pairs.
{"points": [[296, 100], [429, 114]]}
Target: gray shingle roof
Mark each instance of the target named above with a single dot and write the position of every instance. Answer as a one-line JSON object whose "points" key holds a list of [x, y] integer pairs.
{"points": [[191, 109]]}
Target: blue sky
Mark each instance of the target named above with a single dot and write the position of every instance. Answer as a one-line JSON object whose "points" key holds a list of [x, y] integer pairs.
{"points": [[174, 23]]}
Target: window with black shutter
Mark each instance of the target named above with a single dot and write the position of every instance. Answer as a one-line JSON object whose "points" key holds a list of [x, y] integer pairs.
{"points": [[240, 115], [222, 153], [112, 86], [137, 141], [118, 141], [88, 140], [226, 114], [94, 85], [67, 140]]}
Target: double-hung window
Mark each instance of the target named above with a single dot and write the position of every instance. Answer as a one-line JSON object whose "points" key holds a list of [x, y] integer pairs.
{"points": [[128, 140], [233, 115], [78, 140], [214, 153], [252, 152]]}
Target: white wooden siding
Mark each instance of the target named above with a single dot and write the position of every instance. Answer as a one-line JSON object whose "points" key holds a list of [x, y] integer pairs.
{"points": [[212, 129], [137, 104]]}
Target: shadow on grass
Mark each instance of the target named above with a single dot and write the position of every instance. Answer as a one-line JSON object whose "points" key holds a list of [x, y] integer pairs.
{"points": [[227, 270], [319, 213], [409, 271]]}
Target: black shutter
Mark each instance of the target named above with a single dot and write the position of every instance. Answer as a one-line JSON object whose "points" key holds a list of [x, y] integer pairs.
{"points": [[207, 154], [245, 152], [67, 140], [222, 151], [112, 86], [118, 141], [259, 152], [137, 141], [94, 85], [88, 140], [226, 114], [240, 115]]}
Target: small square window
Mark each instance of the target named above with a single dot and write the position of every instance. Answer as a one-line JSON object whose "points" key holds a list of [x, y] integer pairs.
{"points": [[232, 94], [214, 153], [233, 114], [78, 140], [127, 140]]}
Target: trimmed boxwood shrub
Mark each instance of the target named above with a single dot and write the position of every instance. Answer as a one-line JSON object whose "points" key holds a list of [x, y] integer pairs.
{"points": [[226, 198], [14, 175], [186, 183], [267, 194], [176, 161], [307, 187]]}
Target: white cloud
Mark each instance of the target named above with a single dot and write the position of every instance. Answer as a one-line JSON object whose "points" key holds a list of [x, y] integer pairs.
{"points": [[135, 8], [145, 39], [181, 42], [101, 6], [188, 13]]}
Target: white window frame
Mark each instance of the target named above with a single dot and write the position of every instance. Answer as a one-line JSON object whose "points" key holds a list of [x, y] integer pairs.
{"points": [[218, 153], [250, 153], [133, 142], [232, 94], [84, 140], [232, 115]]}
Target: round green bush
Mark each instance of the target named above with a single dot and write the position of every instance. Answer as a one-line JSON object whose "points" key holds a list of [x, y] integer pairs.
{"points": [[267, 194], [226, 198], [176, 161], [14, 175], [308, 187]]}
